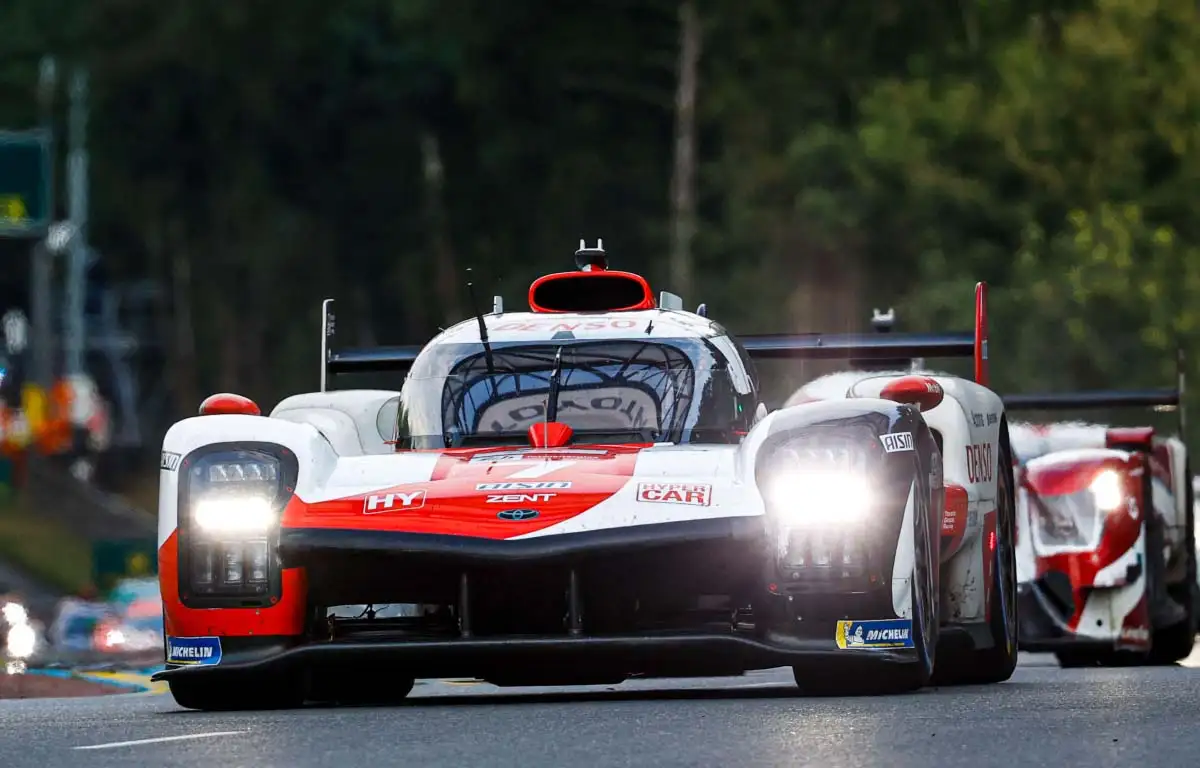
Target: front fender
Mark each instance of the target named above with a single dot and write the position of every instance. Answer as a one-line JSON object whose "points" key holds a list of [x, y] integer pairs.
{"points": [[314, 454]]}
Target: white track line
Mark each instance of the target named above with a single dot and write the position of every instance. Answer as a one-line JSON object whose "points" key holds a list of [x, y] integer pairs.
{"points": [[161, 739]]}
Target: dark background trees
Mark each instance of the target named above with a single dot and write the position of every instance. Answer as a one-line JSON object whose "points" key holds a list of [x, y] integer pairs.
{"points": [[255, 157]]}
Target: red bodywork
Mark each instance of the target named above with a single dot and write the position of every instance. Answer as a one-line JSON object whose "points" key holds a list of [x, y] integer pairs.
{"points": [[449, 504]]}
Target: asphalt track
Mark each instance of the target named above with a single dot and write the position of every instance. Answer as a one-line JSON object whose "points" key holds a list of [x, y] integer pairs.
{"points": [[1044, 716]]}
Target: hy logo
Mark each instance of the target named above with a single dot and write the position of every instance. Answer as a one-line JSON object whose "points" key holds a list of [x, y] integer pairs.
{"points": [[517, 515], [385, 502]]}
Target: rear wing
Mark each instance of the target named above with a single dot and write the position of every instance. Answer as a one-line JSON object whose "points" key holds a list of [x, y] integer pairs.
{"points": [[811, 346], [360, 360], [1161, 400], [881, 346]]}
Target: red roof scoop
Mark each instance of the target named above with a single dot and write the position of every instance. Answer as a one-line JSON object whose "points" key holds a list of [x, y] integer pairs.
{"points": [[594, 288]]}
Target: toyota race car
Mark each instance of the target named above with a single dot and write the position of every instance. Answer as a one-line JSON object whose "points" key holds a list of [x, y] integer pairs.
{"points": [[1106, 535], [582, 493]]}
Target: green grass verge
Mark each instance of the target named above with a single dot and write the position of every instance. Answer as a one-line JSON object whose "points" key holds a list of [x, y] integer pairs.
{"points": [[45, 549]]}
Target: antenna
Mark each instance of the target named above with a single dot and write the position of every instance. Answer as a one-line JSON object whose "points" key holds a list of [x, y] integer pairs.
{"points": [[328, 328], [555, 377], [483, 334]]}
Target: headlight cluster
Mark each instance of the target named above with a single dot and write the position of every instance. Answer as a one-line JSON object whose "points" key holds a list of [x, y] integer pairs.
{"points": [[232, 504], [820, 492]]}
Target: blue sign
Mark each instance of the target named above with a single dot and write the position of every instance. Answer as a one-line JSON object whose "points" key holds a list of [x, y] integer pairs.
{"points": [[884, 633], [194, 651]]}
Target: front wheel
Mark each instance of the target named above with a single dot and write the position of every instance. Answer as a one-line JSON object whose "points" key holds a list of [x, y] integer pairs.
{"points": [[897, 678], [996, 663]]}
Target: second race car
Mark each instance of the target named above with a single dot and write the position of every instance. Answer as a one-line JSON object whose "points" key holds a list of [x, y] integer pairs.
{"points": [[1106, 535]]}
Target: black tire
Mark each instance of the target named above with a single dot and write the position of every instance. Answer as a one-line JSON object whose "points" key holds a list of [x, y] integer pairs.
{"points": [[229, 693], [897, 678], [1174, 643], [970, 666]]}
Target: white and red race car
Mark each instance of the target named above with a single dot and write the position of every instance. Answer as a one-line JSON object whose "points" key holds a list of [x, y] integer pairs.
{"points": [[584, 492], [1106, 535]]}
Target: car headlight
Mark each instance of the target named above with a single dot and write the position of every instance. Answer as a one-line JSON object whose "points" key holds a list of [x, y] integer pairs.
{"points": [[821, 489], [235, 495], [21, 641], [1107, 491], [14, 613], [231, 509]]}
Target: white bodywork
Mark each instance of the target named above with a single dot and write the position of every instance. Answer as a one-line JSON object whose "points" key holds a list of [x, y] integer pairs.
{"points": [[969, 416]]}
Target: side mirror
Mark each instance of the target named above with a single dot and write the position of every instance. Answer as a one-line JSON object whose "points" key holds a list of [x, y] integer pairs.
{"points": [[922, 391], [226, 403]]}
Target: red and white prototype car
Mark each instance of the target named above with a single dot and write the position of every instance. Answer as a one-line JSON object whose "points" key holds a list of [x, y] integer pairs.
{"points": [[584, 492], [1106, 535]]}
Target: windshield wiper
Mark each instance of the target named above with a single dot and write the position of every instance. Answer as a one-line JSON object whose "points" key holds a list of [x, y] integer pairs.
{"points": [[555, 377]]}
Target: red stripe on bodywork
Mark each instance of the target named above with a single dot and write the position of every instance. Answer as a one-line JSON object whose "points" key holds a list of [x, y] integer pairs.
{"points": [[284, 618], [453, 504]]}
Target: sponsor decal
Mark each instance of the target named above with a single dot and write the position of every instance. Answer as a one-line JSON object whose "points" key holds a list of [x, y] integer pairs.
{"points": [[544, 485], [886, 633], [546, 326], [517, 515], [897, 443], [992, 418], [979, 463], [695, 494], [386, 502], [519, 498], [535, 455], [949, 519], [169, 461], [1135, 634], [977, 419], [194, 651]]}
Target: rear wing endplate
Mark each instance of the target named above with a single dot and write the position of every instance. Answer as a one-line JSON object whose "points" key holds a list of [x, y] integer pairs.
{"points": [[881, 346], [360, 360]]}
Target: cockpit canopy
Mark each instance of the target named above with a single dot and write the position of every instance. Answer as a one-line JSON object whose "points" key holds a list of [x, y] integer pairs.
{"points": [[682, 390]]}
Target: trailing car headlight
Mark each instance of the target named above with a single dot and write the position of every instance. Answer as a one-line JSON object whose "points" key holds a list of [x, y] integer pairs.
{"points": [[1107, 490], [232, 504]]}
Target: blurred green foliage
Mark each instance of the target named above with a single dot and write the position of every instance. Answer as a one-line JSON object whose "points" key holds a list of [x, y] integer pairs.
{"points": [[258, 156]]}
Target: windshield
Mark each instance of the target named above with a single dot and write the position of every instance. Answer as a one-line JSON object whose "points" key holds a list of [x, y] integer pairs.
{"points": [[615, 391]]}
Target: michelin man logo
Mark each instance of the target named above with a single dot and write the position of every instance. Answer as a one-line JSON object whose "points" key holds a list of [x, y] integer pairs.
{"points": [[857, 637]]}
